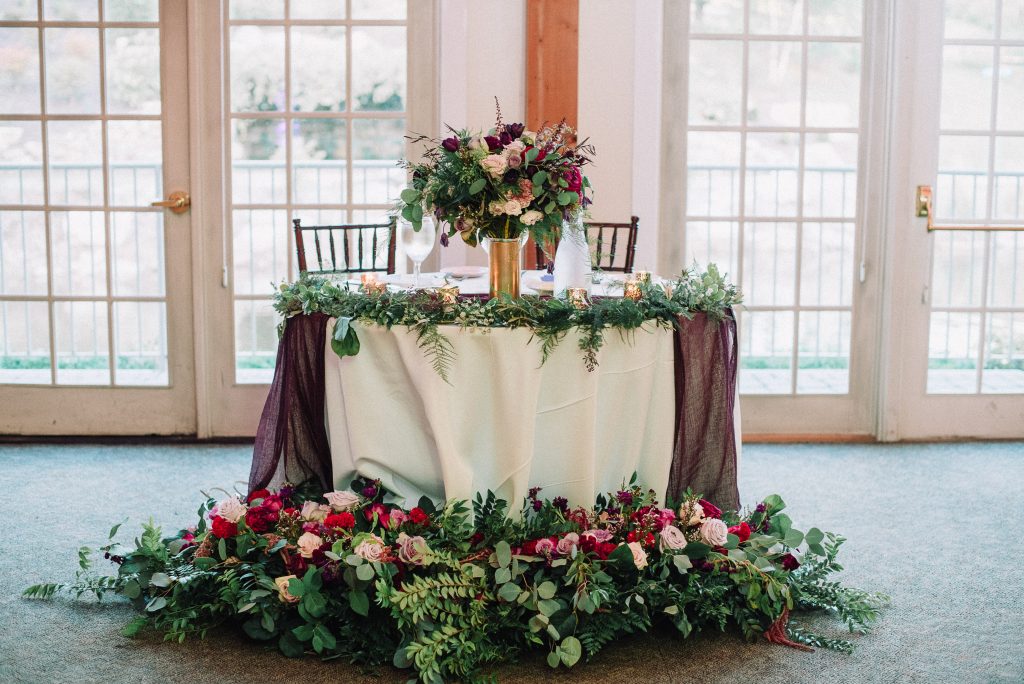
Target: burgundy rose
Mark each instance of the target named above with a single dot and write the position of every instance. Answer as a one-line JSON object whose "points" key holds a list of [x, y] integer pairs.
{"points": [[588, 543], [369, 491], [624, 497], [710, 509], [476, 538], [296, 565], [530, 547], [515, 130], [574, 178], [505, 138], [223, 528], [605, 549], [789, 562], [561, 503], [450, 144], [493, 144]]}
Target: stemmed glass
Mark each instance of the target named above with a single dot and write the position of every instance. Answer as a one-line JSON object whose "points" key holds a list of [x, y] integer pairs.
{"points": [[418, 244]]}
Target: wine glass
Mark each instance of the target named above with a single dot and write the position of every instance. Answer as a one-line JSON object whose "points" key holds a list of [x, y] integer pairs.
{"points": [[418, 243]]}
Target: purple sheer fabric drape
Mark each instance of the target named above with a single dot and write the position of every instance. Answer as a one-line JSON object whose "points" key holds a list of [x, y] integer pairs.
{"points": [[706, 359], [292, 425]]}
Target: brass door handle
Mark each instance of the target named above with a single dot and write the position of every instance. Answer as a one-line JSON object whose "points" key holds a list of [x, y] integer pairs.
{"points": [[923, 209], [178, 202]]}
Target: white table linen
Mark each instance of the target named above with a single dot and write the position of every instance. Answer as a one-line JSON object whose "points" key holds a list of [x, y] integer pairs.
{"points": [[505, 423]]}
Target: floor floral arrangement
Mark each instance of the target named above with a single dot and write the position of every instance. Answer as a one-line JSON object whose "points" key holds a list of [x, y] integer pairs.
{"points": [[452, 591]]}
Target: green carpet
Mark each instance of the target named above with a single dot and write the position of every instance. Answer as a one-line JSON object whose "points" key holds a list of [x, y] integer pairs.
{"points": [[937, 526]]}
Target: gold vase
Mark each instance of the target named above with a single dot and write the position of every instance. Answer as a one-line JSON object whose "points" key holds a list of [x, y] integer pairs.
{"points": [[504, 262]]}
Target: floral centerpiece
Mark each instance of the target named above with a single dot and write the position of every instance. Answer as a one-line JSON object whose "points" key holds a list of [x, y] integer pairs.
{"points": [[499, 186], [452, 590]]}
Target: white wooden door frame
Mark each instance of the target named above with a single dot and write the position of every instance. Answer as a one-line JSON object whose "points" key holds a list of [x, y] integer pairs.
{"points": [[226, 408], [909, 412], [129, 410]]}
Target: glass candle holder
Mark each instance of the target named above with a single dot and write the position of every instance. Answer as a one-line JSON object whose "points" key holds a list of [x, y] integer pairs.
{"points": [[371, 285], [449, 294], [577, 296], [631, 290], [643, 277]]}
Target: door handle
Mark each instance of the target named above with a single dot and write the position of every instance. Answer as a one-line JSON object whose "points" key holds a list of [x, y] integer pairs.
{"points": [[923, 209], [178, 202]]}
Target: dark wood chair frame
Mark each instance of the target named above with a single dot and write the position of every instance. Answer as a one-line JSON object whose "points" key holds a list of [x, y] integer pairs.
{"points": [[599, 254], [360, 247]]}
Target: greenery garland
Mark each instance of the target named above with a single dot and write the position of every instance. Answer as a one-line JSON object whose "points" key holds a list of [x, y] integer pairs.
{"points": [[549, 319], [454, 590]]}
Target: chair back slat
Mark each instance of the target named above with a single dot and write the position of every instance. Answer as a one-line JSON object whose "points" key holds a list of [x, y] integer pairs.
{"points": [[364, 261], [596, 236]]}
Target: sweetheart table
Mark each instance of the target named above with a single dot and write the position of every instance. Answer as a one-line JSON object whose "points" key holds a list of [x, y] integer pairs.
{"points": [[661, 402]]}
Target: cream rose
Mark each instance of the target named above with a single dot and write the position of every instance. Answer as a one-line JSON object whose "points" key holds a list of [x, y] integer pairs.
{"points": [[692, 512], [282, 589], [714, 532], [530, 217], [314, 512], [371, 549], [231, 509], [495, 164], [512, 208], [672, 537], [639, 555], [308, 543], [343, 501]]}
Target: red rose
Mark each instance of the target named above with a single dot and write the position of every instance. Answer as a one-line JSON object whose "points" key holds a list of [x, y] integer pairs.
{"points": [[530, 547], [272, 503], [540, 154], [632, 536], [588, 543], [605, 549], [223, 528], [710, 509], [742, 531], [258, 494], [789, 562], [296, 565], [476, 538], [649, 539], [345, 521], [418, 516]]}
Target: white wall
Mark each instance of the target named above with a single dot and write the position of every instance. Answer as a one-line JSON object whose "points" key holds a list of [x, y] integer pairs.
{"points": [[482, 55], [619, 110]]}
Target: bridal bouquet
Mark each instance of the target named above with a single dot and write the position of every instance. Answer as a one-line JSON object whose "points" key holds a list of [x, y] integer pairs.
{"points": [[500, 185]]}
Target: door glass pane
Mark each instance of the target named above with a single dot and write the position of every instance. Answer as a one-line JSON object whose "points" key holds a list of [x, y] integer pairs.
{"points": [[321, 146], [976, 294], [772, 182], [83, 258], [19, 70]]}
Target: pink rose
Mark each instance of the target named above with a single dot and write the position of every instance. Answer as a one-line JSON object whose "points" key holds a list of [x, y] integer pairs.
{"points": [[397, 517], [567, 543], [714, 532], [371, 548], [672, 538], [412, 550], [599, 536], [308, 543], [545, 547], [639, 555]]}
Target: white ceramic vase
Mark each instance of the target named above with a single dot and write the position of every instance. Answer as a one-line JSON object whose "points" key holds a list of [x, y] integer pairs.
{"points": [[572, 258]]}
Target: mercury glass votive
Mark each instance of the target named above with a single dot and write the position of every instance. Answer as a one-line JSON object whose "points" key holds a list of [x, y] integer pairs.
{"points": [[449, 293], [631, 290], [577, 296], [371, 285]]}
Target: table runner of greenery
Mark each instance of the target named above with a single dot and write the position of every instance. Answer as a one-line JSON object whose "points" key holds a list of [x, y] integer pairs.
{"points": [[548, 318]]}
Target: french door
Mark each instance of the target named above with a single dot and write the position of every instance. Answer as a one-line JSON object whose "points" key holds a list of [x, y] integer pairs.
{"points": [[771, 172], [95, 283], [958, 290]]}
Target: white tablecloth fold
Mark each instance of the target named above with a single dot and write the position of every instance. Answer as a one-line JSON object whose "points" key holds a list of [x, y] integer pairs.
{"points": [[505, 423]]}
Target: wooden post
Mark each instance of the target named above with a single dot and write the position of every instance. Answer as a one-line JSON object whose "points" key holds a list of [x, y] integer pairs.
{"points": [[552, 69]]}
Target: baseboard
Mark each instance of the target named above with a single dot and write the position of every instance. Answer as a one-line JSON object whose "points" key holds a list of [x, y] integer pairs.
{"points": [[115, 440], [797, 438]]}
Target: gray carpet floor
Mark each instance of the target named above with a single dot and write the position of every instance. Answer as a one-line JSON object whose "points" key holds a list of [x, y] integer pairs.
{"points": [[937, 526]]}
